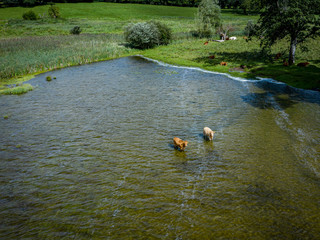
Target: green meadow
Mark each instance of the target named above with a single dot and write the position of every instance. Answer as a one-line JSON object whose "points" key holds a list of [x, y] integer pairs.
{"points": [[31, 47]]}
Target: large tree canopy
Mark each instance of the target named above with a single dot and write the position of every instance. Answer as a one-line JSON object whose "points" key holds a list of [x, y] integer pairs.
{"points": [[298, 20]]}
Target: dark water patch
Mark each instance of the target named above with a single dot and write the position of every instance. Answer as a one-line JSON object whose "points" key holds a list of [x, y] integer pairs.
{"points": [[267, 100]]}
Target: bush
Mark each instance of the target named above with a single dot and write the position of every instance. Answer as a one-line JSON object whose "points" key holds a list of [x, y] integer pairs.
{"points": [[24, 88], [147, 34], [75, 30], [142, 35], [165, 33], [249, 29], [30, 15], [54, 11]]}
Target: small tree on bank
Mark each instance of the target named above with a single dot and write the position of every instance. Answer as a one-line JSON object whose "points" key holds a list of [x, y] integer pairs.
{"points": [[54, 11], [298, 20], [208, 17]]}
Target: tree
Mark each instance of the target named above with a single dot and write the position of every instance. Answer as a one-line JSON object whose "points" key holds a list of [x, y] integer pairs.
{"points": [[208, 17], [54, 11], [250, 5], [298, 20], [224, 30]]}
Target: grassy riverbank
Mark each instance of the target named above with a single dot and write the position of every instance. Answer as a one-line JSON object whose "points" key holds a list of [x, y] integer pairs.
{"points": [[239, 52], [30, 47]]}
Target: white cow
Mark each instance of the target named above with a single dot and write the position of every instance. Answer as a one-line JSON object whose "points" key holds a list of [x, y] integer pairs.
{"points": [[208, 133]]}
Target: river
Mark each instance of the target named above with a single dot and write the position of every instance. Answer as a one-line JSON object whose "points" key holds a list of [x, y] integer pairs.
{"points": [[90, 155]]}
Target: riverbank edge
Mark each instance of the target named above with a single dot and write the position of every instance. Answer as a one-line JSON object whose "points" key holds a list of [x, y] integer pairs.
{"points": [[9, 83], [235, 75]]}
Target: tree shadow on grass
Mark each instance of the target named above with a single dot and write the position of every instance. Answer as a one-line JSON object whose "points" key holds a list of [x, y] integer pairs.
{"points": [[316, 61], [248, 58]]}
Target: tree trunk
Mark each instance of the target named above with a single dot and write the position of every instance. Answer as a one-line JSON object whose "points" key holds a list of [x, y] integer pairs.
{"points": [[293, 46]]}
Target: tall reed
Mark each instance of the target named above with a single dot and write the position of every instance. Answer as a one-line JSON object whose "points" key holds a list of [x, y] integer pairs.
{"points": [[21, 56]]}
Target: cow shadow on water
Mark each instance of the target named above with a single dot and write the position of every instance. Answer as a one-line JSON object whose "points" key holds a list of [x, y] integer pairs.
{"points": [[199, 156]]}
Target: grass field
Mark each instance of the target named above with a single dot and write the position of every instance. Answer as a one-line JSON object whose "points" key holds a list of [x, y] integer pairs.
{"points": [[96, 18], [30, 47]]}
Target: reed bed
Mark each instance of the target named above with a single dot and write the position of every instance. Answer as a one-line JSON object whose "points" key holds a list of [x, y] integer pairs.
{"points": [[22, 56], [20, 89]]}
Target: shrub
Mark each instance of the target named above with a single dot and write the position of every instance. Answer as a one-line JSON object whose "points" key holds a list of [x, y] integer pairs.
{"points": [[165, 33], [75, 30], [249, 29], [24, 88], [142, 35], [30, 15], [147, 34], [54, 11]]}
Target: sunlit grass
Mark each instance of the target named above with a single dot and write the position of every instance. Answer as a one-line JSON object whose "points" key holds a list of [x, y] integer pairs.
{"points": [[99, 10], [96, 18]]}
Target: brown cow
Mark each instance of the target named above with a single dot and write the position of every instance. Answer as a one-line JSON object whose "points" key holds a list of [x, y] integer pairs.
{"points": [[278, 55], [303, 64], [243, 66], [178, 143]]}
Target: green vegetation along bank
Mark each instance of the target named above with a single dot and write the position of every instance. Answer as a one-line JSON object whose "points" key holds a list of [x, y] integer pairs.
{"points": [[30, 47]]}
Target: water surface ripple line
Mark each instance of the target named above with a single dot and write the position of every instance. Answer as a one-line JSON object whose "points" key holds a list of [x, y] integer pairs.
{"points": [[212, 72]]}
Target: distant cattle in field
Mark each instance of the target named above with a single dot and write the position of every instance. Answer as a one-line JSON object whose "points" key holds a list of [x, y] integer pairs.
{"points": [[233, 38], [278, 55], [223, 36], [223, 63], [243, 66], [303, 64], [212, 56], [206, 43], [245, 38]]}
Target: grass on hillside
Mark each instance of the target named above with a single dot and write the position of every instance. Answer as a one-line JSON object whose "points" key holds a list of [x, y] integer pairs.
{"points": [[97, 18], [102, 10]]}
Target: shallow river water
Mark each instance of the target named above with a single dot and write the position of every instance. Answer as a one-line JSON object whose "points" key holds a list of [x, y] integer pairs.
{"points": [[90, 155]]}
